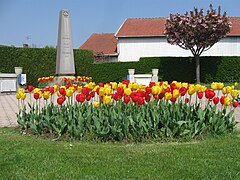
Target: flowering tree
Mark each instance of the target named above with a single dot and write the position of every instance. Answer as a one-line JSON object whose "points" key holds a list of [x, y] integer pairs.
{"points": [[196, 31]]}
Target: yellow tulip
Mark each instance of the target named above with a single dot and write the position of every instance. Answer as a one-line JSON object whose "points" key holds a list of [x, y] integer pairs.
{"points": [[198, 87], [107, 99], [69, 92], [203, 88], [135, 85], [21, 90], [224, 90], [214, 86], [36, 90], [236, 84], [46, 95], [40, 94], [227, 101], [122, 85], [96, 104], [234, 93], [127, 91], [58, 94], [155, 90], [107, 90], [55, 88], [142, 87], [101, 91], [191, 89], [23, 96], [79, 89], [175, 93], [18, 96], [229, 89], [91, 85], [185, 85], [114, 85], [168, 95], [220, 85], [165, 85]]}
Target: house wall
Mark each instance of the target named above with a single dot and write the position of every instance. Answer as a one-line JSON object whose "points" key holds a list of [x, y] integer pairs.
{"points": [[131, 49]]}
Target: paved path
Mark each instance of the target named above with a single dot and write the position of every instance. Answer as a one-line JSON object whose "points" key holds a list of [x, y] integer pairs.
{"points": [[9, 109]]}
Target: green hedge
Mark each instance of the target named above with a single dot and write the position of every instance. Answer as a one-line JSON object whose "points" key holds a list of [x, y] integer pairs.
{"points": [[225, 69], [42, 62], [38, 62]]}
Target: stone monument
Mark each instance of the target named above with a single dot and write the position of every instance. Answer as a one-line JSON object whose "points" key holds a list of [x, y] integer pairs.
{"points": [[65, 66]]}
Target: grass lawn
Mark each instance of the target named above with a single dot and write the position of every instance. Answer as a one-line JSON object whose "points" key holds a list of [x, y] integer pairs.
{"points": [[29, 157]]}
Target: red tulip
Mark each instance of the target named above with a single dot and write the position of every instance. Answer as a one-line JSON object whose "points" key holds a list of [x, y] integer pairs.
{"points": [[148, 90], [156, 96], [68, 86], [126, 82], [209, 94], [186, 100], [173, 86], [215, 100], [151, 84], [140, 100], [100, 84], [120, 91], [222, 99], [161, 95], [60, 100], [147, 98], [168, 90], [85, 90], [200, 95], [92, 94], [30, 88], [80, 98], [173, 99], [182, 91], [115, 97], [62, 91], [51, 89], [36, 96], [134, 98], [88, 98], [235, 104], [126, 99]]}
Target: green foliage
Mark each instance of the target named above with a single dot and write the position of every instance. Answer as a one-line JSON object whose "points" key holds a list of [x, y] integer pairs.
{"points": [[41, 63], [222, 69], [120, 121], [38, 62]]}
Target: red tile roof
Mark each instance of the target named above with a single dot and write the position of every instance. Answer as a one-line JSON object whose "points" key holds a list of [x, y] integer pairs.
{"points": [[137, 27], [101, 43]]}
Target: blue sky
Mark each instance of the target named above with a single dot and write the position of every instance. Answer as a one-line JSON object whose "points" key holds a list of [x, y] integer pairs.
{"points": [[36, 21]]}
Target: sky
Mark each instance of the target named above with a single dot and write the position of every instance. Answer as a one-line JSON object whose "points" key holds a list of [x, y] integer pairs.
{"points": [[35, 22]]}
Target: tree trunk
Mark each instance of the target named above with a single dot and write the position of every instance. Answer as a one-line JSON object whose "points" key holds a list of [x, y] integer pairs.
{"points": [[197, 69]]}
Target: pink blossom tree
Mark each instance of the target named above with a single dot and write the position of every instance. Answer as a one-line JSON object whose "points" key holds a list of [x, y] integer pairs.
{"points": [[196, 31]]}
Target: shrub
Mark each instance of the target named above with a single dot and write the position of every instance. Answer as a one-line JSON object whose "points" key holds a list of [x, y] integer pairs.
{"points": [[38, 62]]}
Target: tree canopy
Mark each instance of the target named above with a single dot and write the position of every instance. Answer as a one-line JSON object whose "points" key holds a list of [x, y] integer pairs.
{"points": [[196, 31]]}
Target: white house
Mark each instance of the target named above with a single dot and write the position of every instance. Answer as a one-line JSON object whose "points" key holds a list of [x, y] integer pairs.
{"points": [[143, 37]]}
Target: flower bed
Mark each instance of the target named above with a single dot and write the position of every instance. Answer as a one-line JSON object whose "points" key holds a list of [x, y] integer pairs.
{"points": [[127, 110]]}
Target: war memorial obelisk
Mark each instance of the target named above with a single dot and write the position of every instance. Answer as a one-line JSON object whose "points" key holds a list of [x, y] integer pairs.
{"points": [[65, 66]]}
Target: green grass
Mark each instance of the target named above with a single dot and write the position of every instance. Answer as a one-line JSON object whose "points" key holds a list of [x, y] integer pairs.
{"points": [[29, 157]]}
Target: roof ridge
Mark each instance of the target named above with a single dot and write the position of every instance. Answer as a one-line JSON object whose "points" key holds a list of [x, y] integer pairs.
{"points": [[148, 18]]}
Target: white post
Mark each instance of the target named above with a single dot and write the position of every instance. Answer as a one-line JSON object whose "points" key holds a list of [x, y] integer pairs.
{"points": [[155, 75], [131, 75]]}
